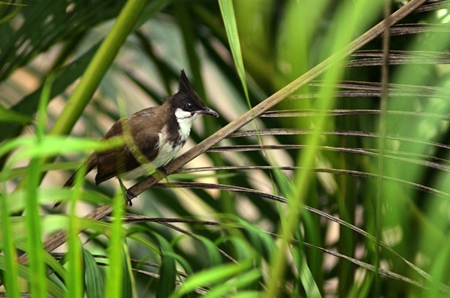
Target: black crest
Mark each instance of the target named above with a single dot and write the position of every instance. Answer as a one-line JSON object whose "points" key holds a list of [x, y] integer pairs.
{"points": [[186, 97], [184, 85]]}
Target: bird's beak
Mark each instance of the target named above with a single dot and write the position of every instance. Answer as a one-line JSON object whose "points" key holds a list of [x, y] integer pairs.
{"points": [[208, 111]]}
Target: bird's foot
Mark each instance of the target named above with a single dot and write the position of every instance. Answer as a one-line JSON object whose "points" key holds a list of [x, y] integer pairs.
{"points": [[163, 170], [128, 194], [128, 197]]}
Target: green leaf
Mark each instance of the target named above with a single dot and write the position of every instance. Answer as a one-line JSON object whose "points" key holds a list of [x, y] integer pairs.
{"points": [[116, 254], [229, 20], [53, 145], [212, 250], [261, 241], [243, 280], [128, 285], [13, 117], [167, 269], [53, 289], [10, 264], [74, 255], [211, 276], [92, 277], [35, 249], [14, 173], [305, 276]]}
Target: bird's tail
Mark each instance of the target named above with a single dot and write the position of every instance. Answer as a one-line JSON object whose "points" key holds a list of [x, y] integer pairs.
{"points": [[90, 166], [71, 180], [69, 183]]}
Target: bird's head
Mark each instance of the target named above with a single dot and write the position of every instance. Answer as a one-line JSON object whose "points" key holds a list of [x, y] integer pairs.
{"points": [[186, 104]]}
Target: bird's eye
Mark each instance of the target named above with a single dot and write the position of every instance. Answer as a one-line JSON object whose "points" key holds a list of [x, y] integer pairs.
{"points": [[189, 106]]}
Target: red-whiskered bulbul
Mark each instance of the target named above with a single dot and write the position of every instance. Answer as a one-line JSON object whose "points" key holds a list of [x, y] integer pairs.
{"points": [[157, 134]]}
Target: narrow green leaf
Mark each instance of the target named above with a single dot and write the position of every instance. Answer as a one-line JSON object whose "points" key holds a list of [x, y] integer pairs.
{"points": [[129, 284], [24, 273], [167, 269], [242, 248], [229, 20], [50, 261], [305, 276], [11, 116], [259, 240], [115, 271], [211, 277], [22, 171], [243, 280], [53, 145], [11, 268], [38, 279], [92, 277], [16, 200], [74, 255], [212, 250]]}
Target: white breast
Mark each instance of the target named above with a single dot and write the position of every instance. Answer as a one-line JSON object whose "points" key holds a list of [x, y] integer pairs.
{"points": [[166, 149], [185, 120]]}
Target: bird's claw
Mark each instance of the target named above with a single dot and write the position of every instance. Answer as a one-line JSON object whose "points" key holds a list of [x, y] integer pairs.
{"points": [[128, 197], [163, 170]]}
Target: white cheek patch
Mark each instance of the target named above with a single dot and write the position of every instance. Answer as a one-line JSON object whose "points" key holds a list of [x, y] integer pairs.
{"points": [[180, 114], [184, 120]]}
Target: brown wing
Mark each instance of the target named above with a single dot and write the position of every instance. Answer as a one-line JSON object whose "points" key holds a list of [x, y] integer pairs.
{"points": [[142, 148]]}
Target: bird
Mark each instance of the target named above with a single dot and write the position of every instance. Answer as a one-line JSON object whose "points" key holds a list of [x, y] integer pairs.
{"points": [[153, 136]]}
